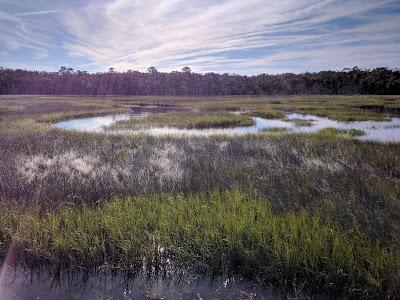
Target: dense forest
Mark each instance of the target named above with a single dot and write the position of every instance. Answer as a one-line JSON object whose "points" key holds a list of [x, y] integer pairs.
{"points": [[68, 81]]}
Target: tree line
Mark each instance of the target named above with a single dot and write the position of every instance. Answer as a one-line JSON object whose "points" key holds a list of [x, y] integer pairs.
{"points": [[68, 81]]}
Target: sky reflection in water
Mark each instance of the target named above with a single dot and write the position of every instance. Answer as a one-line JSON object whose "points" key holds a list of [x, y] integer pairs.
{"points": [[388, 131]]}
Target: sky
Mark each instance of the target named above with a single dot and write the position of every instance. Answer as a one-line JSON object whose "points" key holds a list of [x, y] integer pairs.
{"points": [[223, 36]]}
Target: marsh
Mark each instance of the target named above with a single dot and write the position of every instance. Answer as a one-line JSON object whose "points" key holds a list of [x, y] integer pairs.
{"points": [[90, 183], [171, 124]]}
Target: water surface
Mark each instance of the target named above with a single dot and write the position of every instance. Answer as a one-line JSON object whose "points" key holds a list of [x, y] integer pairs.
{"points": [[22, 284], [92, 124], [383, 131]]}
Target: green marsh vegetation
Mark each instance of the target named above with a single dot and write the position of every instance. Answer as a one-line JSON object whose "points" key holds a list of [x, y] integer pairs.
{"points": [[230, 230], [187, 120], [301, 122], [319, 211], [339, 133], [341, 108]]}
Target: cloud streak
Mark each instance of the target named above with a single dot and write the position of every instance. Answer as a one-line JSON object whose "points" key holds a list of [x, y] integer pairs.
{"points": [[36, 13], [15, 34]]}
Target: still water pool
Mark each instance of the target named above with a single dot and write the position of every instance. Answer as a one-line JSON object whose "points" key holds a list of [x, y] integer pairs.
{"points": [[382, 131]]}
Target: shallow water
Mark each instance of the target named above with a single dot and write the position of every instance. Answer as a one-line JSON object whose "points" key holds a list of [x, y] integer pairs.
{"points": [[385, 131], [92, 124], [17, 283]]}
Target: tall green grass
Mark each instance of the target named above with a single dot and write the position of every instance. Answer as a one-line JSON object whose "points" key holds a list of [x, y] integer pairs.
{"points": [[186, 120], [230, 231]]}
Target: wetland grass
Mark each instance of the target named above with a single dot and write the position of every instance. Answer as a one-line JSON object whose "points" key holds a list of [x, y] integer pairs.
{"points": [[342, 113], [3, 107], [266, 114], [316, 210], [185, 120], [230, 231], [301, 122], [340, 108], [339, 133], [61, 116]]}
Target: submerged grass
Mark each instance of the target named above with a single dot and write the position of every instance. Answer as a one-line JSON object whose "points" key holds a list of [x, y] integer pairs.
{"points": [[185, 120], [231, 231]]}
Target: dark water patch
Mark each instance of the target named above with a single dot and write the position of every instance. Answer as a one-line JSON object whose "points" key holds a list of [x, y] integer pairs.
{"points": [[17, 282]]}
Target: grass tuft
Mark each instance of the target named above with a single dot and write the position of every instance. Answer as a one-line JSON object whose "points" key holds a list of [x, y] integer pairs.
{"points": [[340, 133], [301, 122]]}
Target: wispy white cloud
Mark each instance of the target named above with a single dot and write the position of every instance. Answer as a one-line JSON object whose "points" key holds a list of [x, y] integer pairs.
{"points": [[213, 35], [204, 34], [15, 34]]}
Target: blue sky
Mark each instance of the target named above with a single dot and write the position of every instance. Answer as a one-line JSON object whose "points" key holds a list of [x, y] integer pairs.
{"points": [[233, 36]]}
